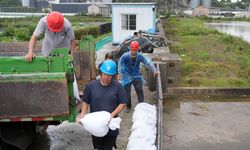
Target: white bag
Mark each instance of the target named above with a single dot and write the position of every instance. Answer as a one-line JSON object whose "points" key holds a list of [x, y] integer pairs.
{"points": [[115, 123], [96, 123], [75, 88]]}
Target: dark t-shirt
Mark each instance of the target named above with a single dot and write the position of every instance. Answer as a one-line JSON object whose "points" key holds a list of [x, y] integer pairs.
{"points": [[104, 98]]}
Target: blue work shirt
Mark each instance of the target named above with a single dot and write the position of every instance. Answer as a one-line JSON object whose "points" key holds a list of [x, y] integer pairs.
{"points": [[130, 69]]}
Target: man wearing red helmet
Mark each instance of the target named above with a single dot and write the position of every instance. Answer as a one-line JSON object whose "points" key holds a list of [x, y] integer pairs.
{"points": [[58, 33], [130, 71]]}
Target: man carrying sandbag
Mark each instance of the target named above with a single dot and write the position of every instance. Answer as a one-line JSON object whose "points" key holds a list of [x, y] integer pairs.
{"points": [[104, 94]]}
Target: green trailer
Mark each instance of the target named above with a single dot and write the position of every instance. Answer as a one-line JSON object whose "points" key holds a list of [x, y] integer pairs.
{"points": [[34, 95]]}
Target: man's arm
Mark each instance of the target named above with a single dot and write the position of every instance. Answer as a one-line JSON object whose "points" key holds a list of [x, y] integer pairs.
{"points": [[150, 65], [32, 44], [72, 46], [118, 109], [40, 28], [84, 110], [120, 64]]}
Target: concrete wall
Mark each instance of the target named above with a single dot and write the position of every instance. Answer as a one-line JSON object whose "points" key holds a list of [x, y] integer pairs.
{"points": [[207, 91]]}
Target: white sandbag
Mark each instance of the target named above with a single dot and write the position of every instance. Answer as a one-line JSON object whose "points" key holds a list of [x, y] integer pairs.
{"points": [[96, 123], [142, 147], [139, 144], [142, 115], [139, 113], [138, 124], [146, 133], [75, 88], [143, 131], [145, 106], [115, 123]]}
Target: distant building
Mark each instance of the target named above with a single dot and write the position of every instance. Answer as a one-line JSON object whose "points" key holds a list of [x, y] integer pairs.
{"points": [[71, 1], [71, 7], [41, 4], [99, 9], [25, 3], [201, 11], [38, 4], [54, 1], [200, 7], [196, 3], [130, 17], [248, 8]]}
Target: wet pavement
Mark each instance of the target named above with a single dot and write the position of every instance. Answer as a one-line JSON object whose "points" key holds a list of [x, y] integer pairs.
{"points": [[207, 123]]}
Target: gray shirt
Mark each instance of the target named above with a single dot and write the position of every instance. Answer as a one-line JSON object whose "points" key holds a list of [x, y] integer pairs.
{"points": [[53, 40]]}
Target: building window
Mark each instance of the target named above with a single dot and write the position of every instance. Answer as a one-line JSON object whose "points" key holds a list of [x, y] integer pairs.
{"points": [[128, 22]]}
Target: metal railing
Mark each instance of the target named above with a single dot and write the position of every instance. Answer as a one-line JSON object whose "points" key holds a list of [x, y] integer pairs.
{"points": [[159, 110]]}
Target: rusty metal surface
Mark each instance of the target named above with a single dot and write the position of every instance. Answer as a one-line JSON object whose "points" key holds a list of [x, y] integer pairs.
{"points": [[33, 99], [85, 65]]}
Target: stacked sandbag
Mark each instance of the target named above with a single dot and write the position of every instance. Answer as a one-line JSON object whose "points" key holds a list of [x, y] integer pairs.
{"points": [[143, 131]]}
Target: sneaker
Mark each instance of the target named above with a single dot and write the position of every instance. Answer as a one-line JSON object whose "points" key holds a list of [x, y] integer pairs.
{"points": [[127, 110]]}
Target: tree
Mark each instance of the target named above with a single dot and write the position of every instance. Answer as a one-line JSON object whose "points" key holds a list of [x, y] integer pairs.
{"points": [[10, 3], [243, 4]]}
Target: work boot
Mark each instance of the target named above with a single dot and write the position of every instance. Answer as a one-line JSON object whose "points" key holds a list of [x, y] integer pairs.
{"points": [[127, 110]]}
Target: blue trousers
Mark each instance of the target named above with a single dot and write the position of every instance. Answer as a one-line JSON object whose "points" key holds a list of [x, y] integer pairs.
{"points": [[137, 83]]}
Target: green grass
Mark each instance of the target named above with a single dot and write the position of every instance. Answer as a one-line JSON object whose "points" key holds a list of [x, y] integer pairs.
{"points": [[209, 58], [21, 29]]}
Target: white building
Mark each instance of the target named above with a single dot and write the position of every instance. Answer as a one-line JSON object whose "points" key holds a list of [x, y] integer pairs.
{"points": [[128, 18], [54, 1], [99, 9], [25, 3]]}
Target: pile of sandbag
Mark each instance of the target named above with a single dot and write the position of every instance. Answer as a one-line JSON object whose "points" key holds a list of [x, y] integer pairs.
{"points": [[143, 131]]}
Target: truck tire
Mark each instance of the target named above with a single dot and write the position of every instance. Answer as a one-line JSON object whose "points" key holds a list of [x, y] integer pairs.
{"points": [[5, 146], [1, 144]]}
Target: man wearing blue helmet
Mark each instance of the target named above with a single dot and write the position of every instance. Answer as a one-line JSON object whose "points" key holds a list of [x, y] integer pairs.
{"points": [[104, 94]]}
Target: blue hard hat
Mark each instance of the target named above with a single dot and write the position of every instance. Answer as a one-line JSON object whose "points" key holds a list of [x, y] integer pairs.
{"points": [[108, 67]]}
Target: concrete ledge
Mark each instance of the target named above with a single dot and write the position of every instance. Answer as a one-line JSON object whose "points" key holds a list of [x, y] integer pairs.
{"points": [[207, 91]]}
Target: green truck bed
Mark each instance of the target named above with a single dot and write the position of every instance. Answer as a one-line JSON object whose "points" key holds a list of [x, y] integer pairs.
{"points": [[40, 90]]}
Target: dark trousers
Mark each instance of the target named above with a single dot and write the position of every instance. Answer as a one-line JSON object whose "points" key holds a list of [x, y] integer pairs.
{"points": [[104, 143], [137, 83]]}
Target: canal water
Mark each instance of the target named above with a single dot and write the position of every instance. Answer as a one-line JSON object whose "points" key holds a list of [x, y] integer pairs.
{"points": [[206, 123], [239, 29]]}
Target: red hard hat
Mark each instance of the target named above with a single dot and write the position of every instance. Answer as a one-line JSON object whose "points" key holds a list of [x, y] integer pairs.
{"points": [[134, 45], [55, 21]]}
